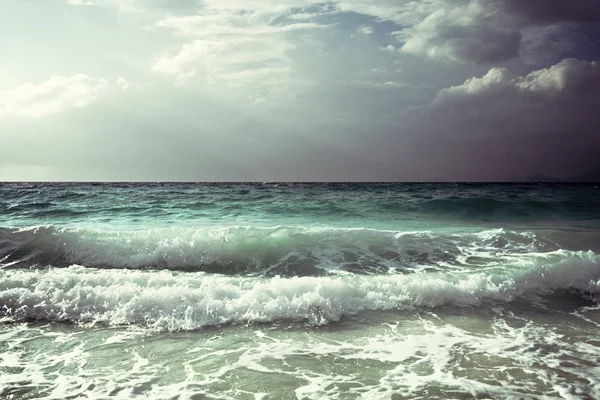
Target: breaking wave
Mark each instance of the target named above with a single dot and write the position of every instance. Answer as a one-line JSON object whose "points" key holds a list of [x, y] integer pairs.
{"points": [[168, 300], [279, 250]]}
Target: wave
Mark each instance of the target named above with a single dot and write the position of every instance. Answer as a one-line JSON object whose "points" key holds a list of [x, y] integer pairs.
{"points": [[279, 250], [488, 208], [473, 203], [179, 301]]}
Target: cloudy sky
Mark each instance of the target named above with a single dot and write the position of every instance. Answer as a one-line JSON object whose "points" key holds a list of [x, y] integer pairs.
{"points": [[384, 90]]}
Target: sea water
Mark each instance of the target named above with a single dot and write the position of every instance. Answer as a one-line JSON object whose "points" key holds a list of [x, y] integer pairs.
{"points": [[299, 291]]}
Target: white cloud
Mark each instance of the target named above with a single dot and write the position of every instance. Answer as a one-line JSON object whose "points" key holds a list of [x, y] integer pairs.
{"points": [[180, 65], [568, 76], [365, 30], [244, 61], [388, 48], [464, 32], [53, 96], [83, 2], [231, 63], [127, 6], [237, 46], [123, 83]]}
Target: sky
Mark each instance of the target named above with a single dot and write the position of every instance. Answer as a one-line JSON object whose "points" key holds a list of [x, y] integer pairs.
{"points": [[295, 90]]}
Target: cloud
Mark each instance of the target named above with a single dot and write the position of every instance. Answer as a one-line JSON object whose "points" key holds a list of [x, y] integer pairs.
{"points": [[236, 62], [488, 31], [255, 68], [142, 6], [465, 31], [439, 37], [545, 12], [53, 96], [566, 80], [82, 2], [242, 51], [123, 83], [502, 125], [229, 41], [293, 89]]}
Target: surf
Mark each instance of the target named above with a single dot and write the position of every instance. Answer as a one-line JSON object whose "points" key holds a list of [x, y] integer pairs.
{"points": [[276, 250], [168, 300]]}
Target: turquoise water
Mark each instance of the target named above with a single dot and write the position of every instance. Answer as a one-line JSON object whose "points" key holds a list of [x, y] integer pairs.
{"points": [[274, 291]]}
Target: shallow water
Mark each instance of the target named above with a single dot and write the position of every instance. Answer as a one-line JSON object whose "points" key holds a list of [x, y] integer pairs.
{"points": [[299, 291]]}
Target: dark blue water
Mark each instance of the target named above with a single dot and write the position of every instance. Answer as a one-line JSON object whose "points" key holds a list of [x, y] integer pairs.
{"points": [[186, 203]]}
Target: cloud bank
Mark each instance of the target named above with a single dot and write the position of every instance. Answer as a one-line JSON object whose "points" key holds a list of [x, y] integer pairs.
{"points": [[299, 90]]}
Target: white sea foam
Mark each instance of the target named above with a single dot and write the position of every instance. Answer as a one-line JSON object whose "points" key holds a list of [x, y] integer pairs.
{"points": [[174, 301], [436, 356]]}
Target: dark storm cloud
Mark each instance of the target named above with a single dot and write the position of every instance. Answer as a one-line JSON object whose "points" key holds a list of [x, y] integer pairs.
{"points": [[501, 125], [553, 11]]}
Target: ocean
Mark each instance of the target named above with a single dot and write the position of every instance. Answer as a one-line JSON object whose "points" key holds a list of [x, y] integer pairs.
{"points": [[299, 291]]}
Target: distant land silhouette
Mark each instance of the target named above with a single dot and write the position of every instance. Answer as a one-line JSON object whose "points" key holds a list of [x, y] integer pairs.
{"points": [[588, 176]]}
